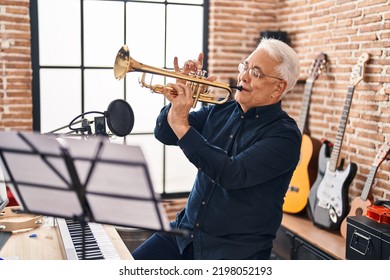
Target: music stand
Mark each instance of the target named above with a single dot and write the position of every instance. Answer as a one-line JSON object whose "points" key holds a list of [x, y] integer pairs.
{"points": [[84, 180]]}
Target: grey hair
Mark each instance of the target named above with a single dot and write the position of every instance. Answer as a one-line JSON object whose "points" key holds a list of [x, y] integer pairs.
{"points": [[288, 69]]}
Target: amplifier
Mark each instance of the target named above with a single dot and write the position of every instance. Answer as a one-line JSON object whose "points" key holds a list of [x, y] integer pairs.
{"points": [[367, 239], [386, 246]]}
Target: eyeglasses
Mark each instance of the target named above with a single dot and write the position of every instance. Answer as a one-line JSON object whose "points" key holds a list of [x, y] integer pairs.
{"points": [[254, 72]]}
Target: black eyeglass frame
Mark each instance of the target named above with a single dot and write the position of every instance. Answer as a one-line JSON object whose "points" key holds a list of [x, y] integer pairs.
{"points": [[242, 67]]}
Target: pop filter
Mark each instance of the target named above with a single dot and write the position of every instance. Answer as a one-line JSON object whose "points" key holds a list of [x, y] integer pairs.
{"points": [[120, 117]]}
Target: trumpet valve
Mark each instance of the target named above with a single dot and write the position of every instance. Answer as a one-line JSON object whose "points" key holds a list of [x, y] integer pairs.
{"points": [[197, 87]]}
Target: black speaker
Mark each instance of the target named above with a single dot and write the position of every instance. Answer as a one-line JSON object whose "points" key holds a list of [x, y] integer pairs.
{"points": [[280, 35]]}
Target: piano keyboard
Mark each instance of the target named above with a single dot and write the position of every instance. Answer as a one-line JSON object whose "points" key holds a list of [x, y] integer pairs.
{"points": [[98, 245]]}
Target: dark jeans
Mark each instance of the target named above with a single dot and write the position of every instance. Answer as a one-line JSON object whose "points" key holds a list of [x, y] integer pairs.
{"points": [[164, 247]]}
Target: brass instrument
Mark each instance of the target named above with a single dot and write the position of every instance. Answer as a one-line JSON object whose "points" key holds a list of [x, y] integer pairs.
{"points": [[196, 81]]}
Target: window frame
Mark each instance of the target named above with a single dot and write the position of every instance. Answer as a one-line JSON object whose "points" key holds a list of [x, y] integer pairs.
{"points": [[36, 67]]}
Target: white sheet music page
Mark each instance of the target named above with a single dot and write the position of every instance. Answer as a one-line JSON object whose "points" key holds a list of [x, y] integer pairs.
{"points": [[39, 172], [54, 176], [119, 189]]}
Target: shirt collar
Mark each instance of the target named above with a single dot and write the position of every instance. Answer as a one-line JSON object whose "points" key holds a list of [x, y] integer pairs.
{"points": [[262, 111]]}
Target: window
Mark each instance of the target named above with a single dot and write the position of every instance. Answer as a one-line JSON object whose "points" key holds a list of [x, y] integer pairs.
{"points": [[74, 45]]}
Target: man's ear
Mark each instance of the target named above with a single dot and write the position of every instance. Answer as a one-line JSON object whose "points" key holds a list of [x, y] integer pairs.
{"points": [[280, 87]]}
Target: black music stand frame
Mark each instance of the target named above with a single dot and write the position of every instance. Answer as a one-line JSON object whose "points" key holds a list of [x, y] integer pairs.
{"points": [[84, 180]]}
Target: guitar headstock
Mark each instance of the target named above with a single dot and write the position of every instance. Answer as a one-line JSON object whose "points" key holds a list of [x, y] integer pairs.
{"points": [[317, 66], [382, 154], [359, 70]]}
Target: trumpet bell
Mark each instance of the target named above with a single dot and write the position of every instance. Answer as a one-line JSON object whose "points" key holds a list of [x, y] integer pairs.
{"points": [[122, 63]]}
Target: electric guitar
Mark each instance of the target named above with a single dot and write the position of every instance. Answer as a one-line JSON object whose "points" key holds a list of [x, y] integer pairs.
{"points": [[328, 197], [360, 204], [305, 173]]}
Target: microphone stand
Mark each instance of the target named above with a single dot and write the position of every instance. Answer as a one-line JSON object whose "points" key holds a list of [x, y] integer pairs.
{"points": [[85, 127], [120, 121]]}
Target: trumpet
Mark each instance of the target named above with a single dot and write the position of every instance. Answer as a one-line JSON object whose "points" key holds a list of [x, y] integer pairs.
{"points": [[196, 81]]}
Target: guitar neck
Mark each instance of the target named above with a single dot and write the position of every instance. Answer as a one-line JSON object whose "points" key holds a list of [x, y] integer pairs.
{"points": [[368, 184], [334, 158], [305, 104], [356, 77], [379, 158]]}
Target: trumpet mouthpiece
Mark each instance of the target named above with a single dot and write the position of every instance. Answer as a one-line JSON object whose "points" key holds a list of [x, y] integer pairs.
{"points": [[239, 88]]}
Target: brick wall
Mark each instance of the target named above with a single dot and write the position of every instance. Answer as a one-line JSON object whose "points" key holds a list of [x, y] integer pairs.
{"points": [[15, 66], [343, 29]]}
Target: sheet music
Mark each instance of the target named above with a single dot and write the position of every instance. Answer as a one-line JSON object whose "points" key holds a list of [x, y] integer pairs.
{"points": [[120, 184], [114, 179], [36, 162]]}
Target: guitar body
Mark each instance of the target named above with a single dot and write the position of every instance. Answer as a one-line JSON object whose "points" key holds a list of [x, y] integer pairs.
{"points": [[358, 208], [332, 197], [328, 198], [303, 177]]}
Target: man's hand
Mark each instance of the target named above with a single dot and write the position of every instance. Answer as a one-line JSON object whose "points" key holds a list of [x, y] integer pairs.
{"points": [[189, 66], [181, 104]]}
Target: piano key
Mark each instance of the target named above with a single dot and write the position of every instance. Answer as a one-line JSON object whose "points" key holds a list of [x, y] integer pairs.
{"points": [[92, 240]]}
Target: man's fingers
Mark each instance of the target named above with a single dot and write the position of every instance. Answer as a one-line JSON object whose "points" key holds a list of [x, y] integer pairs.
{"points": [[200, 59], [176, 64]]}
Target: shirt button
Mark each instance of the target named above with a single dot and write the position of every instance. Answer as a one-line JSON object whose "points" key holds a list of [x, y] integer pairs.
{"points": [[197, 225], [231, 136], [203, 202], [242, 117], [192, 236]]}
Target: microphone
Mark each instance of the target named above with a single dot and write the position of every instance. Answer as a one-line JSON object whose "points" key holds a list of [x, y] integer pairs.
{"points": [[120, 117]]}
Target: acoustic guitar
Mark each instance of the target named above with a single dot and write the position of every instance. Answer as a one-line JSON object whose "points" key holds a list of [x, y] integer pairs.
{"points": [[305, 172], [328, 197], [359, 205]]}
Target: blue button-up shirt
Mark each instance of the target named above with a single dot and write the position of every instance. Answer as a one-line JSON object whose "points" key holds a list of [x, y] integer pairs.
{"points": [[245, 162]]}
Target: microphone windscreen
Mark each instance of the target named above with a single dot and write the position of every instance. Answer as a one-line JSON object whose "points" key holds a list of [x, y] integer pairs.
{"points": [[120, 117]]}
